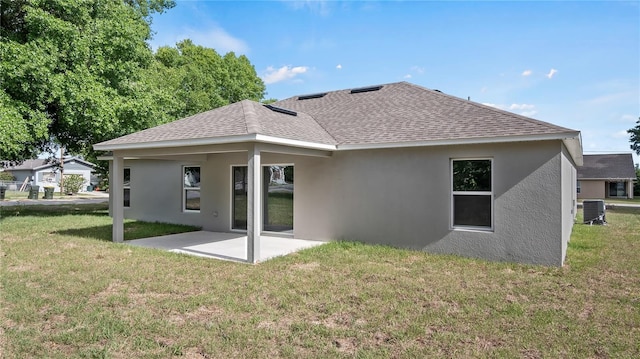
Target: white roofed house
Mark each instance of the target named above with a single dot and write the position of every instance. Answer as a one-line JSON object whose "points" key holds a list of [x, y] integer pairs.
{"points": [[45, 173], [394, 164]]}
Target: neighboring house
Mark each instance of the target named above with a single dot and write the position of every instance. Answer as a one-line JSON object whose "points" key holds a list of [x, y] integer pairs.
{"points": [[40, 173], [394, 164], [606, 176]]}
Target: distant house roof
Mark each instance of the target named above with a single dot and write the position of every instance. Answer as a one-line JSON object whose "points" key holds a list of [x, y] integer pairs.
{"points": [[392, 115], [607, 167], [40, 163]]}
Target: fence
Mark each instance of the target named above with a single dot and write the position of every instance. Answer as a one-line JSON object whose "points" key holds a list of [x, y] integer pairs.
{"points": [[13, 186]]}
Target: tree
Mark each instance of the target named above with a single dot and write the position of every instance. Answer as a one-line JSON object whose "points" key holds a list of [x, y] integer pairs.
{"points": [[198, 79], [72, 73], [635, 137]]}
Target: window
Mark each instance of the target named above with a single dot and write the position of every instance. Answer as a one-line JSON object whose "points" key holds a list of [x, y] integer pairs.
{"points": [[126, 187], [191, 188], [472, 193], [48, 177], [578, 187], [617, 189]]}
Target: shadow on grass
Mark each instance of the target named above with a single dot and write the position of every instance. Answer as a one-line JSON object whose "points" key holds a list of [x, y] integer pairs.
{"points": [[95, 209], [132, 230]]}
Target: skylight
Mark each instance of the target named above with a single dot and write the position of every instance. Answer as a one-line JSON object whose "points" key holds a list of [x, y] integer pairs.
{"points": [[281, 110], [315, 95], [366, 89]]}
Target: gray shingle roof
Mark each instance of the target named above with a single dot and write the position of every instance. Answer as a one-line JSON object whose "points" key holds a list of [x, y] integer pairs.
{"points": [[403, 112], [241, 118], [396, 113], [39, 163], [612, 166]]}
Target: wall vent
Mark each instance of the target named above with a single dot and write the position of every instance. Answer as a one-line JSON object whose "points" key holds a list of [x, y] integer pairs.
{"points": [[309, 97], [281, 110], [366, 89]]}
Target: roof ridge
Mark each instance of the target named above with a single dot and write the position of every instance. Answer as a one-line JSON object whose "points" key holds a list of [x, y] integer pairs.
{"points": [[250, 116], [321, 126]]}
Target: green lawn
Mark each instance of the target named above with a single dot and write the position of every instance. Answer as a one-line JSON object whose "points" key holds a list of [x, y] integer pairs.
{"points": [[66, 291]]}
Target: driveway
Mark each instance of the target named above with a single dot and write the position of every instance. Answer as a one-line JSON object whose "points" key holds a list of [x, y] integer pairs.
{"points": [[94, 197]]}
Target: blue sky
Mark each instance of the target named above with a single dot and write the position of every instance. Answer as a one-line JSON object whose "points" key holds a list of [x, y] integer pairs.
{"points": [[575, 64]]}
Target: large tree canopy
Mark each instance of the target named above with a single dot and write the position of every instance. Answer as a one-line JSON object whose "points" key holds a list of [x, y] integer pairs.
{"points": [[200, 79], [71, 73], [77, 72], [635, 137]]}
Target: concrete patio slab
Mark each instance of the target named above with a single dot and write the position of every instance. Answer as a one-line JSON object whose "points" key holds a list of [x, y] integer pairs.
{"points": [[227, 246]]}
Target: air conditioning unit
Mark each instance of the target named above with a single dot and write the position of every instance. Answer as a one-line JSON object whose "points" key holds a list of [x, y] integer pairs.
{"points": [[594, 211]]}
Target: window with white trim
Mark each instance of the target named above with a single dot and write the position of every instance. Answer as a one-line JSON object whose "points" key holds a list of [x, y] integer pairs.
{"points": [[126, 188], [191, 188], [472, 193]]}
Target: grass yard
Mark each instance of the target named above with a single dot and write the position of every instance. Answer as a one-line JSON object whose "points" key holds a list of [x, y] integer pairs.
{"points": [[68, 292]]}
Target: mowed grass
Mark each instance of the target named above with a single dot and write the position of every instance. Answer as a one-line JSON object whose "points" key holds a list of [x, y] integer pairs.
{"points": [[67, 292]]}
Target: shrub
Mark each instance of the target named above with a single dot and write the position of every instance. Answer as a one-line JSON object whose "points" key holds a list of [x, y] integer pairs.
{"points": [[7, 176], [73, 183]]}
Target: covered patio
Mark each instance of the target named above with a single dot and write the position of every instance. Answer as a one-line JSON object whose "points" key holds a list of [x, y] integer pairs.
{"points": [[226, 246]]}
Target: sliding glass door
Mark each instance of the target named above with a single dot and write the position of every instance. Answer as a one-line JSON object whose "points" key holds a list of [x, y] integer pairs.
{"points": [[277, 198]]}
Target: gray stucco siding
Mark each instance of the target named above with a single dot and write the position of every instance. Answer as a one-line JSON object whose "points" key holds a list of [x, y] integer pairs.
{"points": [[156, 192], [399, 197], [402, 197]]}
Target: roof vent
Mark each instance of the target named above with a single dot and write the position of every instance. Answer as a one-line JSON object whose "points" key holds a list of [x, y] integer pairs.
{"points": [[281, 110], [366, 89], [309, 97]]}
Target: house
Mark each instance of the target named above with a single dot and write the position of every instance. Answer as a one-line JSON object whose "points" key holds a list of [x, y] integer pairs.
{"points": [[394, 164], [606, 176], [44, 173]]}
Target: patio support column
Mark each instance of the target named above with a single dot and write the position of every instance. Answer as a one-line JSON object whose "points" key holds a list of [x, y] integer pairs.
{"points": [[117, 197], [254, 206], [630, 189]]}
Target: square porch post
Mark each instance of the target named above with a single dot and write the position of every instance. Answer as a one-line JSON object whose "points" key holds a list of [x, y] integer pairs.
{"points": [[117, 197], [254, 207]]}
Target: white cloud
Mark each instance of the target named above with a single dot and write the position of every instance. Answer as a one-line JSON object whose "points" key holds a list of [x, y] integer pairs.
{"points": [[521, 106], [629, 118], [273, 75], [551, 73], [339, 67], [522, 109], [417, 69], [527, 72], [620, 134], [314, 6], [407, 76], [216, 38]]}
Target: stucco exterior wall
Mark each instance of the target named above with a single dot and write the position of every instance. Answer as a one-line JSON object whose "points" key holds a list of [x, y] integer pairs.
{"points": [[402, 197], [399, 197], [569, 198], [156, 192]]}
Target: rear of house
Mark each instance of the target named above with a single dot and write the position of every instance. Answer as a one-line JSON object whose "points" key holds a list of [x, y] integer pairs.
{"points": [[393, 164]]}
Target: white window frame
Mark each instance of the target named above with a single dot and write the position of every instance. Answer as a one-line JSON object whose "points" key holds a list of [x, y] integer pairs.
{"points": [[490, 228], [578, 187], [126, 187], [185, 189]]}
